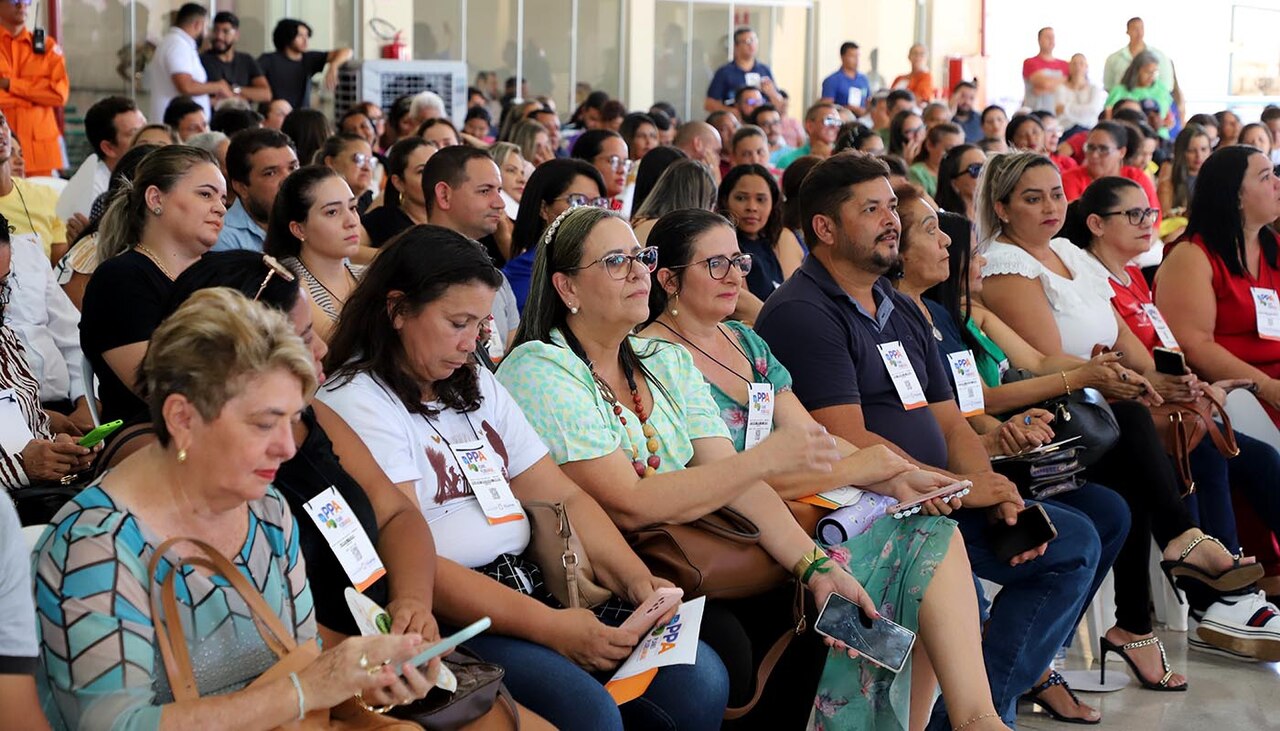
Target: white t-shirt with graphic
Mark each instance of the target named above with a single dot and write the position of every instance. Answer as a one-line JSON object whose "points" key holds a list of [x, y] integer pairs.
{"points": [[411, 448]]}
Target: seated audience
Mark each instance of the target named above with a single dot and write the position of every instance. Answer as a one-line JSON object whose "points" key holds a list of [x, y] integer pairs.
{"points": [[478, 123], [666, 128], [1104, 152], [725, 124], [307, 129], [821, 125], [650, 171], [857, 136], [552, 189], [1177, 181], [906, 134], [751, 147], [700, 142], [1027, 133], [403, 205], [767, 118], [936, 113], [109, 125], [685, 184], [186, 116], [30, 207], [274, 113], [153, 230], [938, 140], [155, 134], [958, 179], [750, 197], [19, 646], [214, 143], [963, 95], [515, 173], [439, 132], [1257, 135], [412, 395], [534, 141], [607, 151], [641, 135], [1228, 127], [230, 120], [792, 178], [352, 157], [258, 162], [994, 121], [207, 477]]}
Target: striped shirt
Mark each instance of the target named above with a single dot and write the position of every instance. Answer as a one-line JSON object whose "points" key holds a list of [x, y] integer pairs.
{"points": [[319, 293], [16, 374]]}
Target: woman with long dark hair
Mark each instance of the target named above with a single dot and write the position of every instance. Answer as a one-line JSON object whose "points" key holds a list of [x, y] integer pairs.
{"points": [[403, 203], [938, 140], [749, 196], [958, 179], [657, 162], [685, 184]]}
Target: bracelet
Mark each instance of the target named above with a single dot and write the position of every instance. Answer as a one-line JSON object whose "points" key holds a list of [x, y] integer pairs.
{"points": [[302, 705], [1065, 383], [817, 566], [810, 562], [975, 719]]}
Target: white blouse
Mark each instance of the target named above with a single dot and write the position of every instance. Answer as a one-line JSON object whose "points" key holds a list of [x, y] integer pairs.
{"points": [[1081, 305]]}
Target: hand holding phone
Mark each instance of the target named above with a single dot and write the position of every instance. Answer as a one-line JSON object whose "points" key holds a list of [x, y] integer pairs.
{"points": [[1032, 529], [646, 615], [448, 644], [880, 641], [99, 433], [914, 505], [1169, 362]]}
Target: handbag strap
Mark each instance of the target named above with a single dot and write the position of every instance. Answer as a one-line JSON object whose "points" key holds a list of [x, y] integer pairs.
{"points": [[1223, 438], [1181, 453], [729, 524], [168, 626], [772, 657]]}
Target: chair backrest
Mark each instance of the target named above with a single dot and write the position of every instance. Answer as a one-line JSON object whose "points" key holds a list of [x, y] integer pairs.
{"points": [[90, 390], [1248, 417]]}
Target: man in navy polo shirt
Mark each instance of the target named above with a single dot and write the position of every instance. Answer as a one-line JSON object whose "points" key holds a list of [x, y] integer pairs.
{"points": [[865, 364], [743, 70], [848, 86]]}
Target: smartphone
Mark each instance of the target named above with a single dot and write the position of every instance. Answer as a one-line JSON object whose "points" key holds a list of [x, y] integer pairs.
{"points": [[1169, 362], [1042, 449], [955, 489], [647, 614], [880, 641], [99, 433], [448, 644], [1032, 529]]}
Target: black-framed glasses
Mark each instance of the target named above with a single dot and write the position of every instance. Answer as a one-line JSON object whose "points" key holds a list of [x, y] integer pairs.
{"points": [[974, 170], [1136, 216], [618, 265], [578, 199], [718, 266], [274, 269]]}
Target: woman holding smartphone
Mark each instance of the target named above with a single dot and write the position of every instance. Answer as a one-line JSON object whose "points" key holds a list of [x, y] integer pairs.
{"points": [[403, 378]]}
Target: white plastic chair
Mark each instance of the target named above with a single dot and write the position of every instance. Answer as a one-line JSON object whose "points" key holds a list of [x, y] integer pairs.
{"points": [[90, 390], [1248, 416], [32, 533]]}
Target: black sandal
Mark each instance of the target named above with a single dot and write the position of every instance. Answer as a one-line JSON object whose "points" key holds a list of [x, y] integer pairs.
{"points": [[1055, 678], [1234, 578], [1109, 646]]}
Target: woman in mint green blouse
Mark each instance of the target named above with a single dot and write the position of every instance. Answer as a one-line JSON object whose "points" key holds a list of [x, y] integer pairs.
{"points": [[897, 561]]}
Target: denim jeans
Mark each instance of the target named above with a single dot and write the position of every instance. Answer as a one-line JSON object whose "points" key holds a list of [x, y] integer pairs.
{"points": [[549, 684], [1039, 604], [1110, 517]]}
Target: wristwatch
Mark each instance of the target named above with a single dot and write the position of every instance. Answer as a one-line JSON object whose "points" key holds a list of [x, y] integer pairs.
{"points": [[235, 90]]}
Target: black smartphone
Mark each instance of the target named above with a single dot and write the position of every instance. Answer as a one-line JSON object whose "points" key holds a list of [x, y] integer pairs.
{"points": [[1169, 362], [1032, 529], [880, 641]]}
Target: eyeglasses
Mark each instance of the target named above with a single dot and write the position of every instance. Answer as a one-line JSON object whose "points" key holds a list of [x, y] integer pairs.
{"points": [[752, 101], [912, 131], [362, 160], [618, 265], [1090, 149], [974, 170], [832, 121], [718, 266], [274, 268], [619, 164], [1136, 216], [578, 199]]}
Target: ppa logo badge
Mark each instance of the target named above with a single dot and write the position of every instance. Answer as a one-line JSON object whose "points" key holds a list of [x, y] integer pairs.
{"points": [[329, 514], [473, 458], [668, 634], [760, 399], [1266, 298], [964, 365]]}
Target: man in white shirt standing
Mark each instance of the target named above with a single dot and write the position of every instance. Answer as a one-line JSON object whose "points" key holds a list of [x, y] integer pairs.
{"points": [[110, 125], [176, 69]]}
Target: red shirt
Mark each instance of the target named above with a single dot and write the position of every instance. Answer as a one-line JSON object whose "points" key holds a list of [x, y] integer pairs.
{"points": [[1075, 180], [1035, 63], [1128, 302], [1063, 162]]}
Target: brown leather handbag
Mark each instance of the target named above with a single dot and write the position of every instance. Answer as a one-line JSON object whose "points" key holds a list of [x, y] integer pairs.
{"points": [[566, 570], [348, 716], [1183, 426]]}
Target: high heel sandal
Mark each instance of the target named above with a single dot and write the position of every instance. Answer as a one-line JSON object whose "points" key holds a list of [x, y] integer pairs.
{"points": [[1108, 646], [1237, 577], [1055, 678]]}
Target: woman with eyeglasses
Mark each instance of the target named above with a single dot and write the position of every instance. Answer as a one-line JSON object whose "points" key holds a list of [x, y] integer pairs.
{"points": [[1056, 297], [938, 140], [749, 196], [553, 188], [403, 202], [1104, 152], [607, 152], [958, 179], [352, 157], [314, 230], [906, 135]]}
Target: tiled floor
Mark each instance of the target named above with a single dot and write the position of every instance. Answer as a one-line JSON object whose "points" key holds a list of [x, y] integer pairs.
{"points": [[1224, 695]]}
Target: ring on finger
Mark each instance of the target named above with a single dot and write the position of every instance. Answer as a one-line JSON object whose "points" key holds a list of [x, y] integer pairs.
{"points": [[380, 710]]}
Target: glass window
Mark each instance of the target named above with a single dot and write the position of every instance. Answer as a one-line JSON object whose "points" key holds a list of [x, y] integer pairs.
{"points": [[437, 30], [709, 48], [671, 57], [98, 63], [548, 40], [599, 48], [491, 39]]}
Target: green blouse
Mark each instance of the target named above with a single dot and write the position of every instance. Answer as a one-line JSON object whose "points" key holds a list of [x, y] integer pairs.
{"points": [[991, 360], [920, 173], [558, 396]]}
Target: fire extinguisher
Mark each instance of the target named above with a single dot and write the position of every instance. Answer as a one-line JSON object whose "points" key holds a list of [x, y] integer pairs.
{"points": [[396, 50]]}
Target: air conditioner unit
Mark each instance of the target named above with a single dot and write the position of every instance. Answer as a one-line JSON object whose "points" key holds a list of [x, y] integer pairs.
{"points": [[384, 81]]}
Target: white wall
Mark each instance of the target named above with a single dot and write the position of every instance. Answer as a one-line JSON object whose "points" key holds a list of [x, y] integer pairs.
{"points": [[1195, 33]]}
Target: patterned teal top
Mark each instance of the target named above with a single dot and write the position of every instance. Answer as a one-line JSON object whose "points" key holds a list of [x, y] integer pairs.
{"points": [[559, 397], [102, 668], [764, 368]]}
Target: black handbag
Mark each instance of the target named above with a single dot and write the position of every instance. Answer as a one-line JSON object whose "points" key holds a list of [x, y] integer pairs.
{"points": [[479, 690], [1084, 414], [1045, 474]]}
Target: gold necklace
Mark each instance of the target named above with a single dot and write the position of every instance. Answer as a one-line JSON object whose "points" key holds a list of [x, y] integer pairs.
{"points": [[154, 260]]}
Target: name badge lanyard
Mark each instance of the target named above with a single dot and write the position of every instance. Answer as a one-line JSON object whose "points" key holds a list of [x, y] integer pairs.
{"points": [[341, 528], [488, 485]]}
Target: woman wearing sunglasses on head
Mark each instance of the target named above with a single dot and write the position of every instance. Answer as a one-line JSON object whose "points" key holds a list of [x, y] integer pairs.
{"points": [[958, 179]]}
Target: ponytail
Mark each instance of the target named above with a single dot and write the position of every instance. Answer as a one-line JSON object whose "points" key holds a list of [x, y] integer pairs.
{"points": [[126, 215], [1101, 196]]}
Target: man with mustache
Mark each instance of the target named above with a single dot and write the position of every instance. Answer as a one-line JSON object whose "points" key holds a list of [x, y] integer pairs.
{"points": [[866, 365], [222, 62]]}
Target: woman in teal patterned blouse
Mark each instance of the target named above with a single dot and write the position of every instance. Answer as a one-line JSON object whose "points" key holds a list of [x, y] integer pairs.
{"points": [[897, 561], [225, 379]]}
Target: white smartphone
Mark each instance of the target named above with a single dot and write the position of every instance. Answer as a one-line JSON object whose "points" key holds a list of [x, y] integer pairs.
{"points": [[880, 641], [647, 614]]}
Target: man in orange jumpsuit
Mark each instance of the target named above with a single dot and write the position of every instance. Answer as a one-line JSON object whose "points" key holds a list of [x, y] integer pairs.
{"points": [[33, 83]]}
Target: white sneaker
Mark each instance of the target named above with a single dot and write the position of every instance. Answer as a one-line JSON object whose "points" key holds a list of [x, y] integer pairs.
{"points": [[1242, 625], [1195, 643]]}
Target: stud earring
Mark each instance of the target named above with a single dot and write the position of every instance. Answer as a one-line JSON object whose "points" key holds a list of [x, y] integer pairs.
{"points": [[182, 456], [157, 210], [573, 310]]}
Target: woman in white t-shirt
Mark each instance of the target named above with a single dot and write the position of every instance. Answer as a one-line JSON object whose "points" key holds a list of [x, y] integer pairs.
{"points": [[405, 380], [1058, 299]]}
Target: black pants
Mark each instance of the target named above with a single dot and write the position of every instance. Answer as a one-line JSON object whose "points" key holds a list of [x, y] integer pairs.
{"points": [[1138, 468]]}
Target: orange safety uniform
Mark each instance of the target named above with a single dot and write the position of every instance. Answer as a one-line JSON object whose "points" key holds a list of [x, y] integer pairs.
{"points": [[38, 85]]}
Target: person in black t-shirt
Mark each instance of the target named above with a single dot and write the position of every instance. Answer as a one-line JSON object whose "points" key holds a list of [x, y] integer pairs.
{"points": [[223, 62], [290, 67], [403, 202]]}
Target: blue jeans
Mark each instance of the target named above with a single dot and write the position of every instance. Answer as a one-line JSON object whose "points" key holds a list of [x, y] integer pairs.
{"points": [[1035, 610], [1252, 474], [1110, 517], [549, 684]]}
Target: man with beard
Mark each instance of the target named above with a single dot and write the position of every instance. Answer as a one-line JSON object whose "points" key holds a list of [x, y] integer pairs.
{"points": [[962, 114], [258, 161], [222, 62], [289, 69], [866, 365], [176, 69]]}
